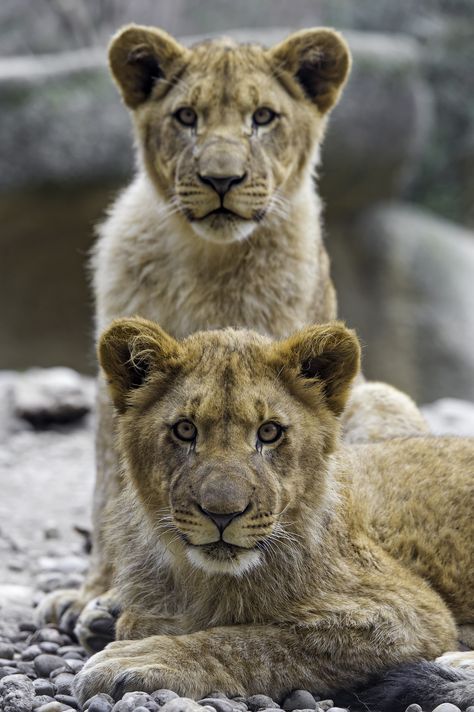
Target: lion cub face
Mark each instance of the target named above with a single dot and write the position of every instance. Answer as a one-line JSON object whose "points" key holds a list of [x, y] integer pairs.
{"points": [[224, 434], [228, 132]]}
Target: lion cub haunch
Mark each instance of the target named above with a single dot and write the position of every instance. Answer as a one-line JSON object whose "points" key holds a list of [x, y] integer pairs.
{"points": [[261, 555]]}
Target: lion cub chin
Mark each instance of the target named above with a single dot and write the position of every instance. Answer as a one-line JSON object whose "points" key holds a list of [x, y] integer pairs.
{"points": [[260, 555]]}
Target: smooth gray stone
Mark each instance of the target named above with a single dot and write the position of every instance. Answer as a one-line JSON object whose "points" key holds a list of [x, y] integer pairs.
{"points": [[299, 700], [446, 707], [99, 703], [45, 664], [219, 704], [43, 686], [163, 696], [64, 682], [260, 702], [7, 651]]}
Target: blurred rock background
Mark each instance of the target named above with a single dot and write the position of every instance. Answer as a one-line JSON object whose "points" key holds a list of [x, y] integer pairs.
{"points": [[397, 172]]}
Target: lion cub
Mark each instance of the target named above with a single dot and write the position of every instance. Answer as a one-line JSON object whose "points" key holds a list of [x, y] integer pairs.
{"points": [[259, 554]]}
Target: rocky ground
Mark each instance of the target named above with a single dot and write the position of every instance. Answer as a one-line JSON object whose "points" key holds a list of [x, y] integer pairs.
{"points": [[46, 477]]}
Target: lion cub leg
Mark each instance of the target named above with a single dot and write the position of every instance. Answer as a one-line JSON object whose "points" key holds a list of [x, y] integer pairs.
{"points": [[377, 411]]}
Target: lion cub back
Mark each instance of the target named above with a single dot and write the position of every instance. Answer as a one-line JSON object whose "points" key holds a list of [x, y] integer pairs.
{"points": [[419, 494]]}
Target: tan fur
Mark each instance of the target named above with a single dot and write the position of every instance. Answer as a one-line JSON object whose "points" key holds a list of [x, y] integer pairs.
{"points": [[263, 265], [343, 560]]}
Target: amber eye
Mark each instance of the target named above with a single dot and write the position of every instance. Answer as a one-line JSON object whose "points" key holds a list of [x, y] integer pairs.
{"points": [[269, 432], [263, 116], [186, 116], [185, 430]]}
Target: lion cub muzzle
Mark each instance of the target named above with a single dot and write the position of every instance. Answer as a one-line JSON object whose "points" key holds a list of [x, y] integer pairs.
{"points": [[222, 165]]}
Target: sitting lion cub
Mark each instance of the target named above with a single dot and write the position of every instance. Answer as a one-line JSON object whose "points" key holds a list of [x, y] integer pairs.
{"points": [[259, 554]]}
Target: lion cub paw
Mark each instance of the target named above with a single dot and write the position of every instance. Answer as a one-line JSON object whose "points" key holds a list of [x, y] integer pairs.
{"points": [[128, 665], [61, 608], [462, 659], [95, 627]]}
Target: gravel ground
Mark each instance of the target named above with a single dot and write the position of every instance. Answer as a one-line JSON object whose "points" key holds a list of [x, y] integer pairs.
{"points": [[46, 479]]}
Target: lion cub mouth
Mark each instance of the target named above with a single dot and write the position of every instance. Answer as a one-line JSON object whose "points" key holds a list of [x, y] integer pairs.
{"points": [[222, 558]]}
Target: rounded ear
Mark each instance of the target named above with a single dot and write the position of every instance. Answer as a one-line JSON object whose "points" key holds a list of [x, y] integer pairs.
{"points": [[139, 57], [132, 350], [319, 360], [319, 60]]}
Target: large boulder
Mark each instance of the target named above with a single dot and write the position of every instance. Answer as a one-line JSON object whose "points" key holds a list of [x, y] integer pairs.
{"points": [[405, 281]]}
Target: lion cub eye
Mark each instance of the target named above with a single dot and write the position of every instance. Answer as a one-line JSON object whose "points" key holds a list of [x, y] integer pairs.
{"points": [[185, 430], [269, 432], [186, 116], [263, 116]]}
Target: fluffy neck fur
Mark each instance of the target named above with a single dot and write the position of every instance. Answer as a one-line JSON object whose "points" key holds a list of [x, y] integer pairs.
{"points": [[145, 240]]}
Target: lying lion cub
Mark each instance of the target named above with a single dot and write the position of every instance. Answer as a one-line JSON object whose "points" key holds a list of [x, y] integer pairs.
{"points": [[259, 554]]}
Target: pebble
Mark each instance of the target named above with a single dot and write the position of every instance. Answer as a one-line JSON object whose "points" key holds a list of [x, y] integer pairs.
{"points": [[45, 664], [220, 704], [260, 702], [99, 703], [53, 706], [325, 705], [50, 635], [31, 652], [7, 651], [68, 700], [44, 687], [446, 707], [51, 648], [6, 671], [299, 700], [26, 668], [42, 700], [4, 662], [239, 706], [27, 626], [64, 682], [74, 665], [469, 709], [16, 693], [182, 704], [337, 709], [161, 697], [413, 708]]}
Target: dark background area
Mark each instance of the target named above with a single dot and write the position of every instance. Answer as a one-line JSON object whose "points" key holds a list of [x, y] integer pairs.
{"points": [[397, 172]]}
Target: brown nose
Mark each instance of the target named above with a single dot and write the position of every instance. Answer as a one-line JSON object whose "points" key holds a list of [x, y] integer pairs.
{"points": [[221, 520], [221, 184]]}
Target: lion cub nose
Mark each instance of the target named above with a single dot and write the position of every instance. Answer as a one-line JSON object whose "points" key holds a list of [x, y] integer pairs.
{"points": [[221, 520], [221, 184]]}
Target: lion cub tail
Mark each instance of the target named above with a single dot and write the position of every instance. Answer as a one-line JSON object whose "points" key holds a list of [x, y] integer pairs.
{"points": [[427, 684]]}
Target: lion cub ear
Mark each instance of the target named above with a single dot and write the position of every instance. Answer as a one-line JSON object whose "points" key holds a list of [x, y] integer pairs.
{"points": [[321, 360], [132, 350], [141, 56], [319, 59]]}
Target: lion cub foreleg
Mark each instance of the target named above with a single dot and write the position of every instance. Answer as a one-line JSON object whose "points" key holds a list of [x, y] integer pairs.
{"points": [[250, 659]]}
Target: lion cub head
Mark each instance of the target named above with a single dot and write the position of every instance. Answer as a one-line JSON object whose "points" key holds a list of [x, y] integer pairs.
{"points": [[224, 434], [228, 132]]}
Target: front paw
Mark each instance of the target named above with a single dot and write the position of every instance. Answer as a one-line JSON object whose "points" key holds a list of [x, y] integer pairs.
{"points": [[146, 665], [61, 608], [95, 627]]}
